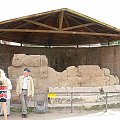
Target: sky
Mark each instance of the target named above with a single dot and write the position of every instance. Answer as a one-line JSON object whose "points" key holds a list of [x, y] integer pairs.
{"points": [[107, 11]]}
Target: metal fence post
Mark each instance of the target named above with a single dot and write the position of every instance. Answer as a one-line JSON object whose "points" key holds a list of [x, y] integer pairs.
{"points": [[34, 102], [46, 101], [106, 105], [71, 102]]}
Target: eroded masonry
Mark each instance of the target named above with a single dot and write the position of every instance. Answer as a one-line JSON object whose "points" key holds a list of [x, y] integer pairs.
{"points": [[83, 78]]}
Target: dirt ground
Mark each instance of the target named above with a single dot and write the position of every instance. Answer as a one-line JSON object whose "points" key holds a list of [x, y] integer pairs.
{"points": [[54, 115], [84, 115], [47, 116]]}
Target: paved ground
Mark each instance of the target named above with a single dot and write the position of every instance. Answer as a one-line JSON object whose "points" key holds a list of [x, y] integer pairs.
{"points": [[47, 116], [109, 115]]}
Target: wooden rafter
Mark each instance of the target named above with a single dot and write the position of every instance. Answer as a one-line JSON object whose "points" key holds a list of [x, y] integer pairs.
{"points": [[30, 16], [29, 35], [88, 28], [19, 26], [78, 26], [61, 19], [6, 38], [74, 37], [40, 24], [63, 32], [77, 15]]}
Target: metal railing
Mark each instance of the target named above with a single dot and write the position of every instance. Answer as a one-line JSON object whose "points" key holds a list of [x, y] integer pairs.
{"points": [[78, 99]]}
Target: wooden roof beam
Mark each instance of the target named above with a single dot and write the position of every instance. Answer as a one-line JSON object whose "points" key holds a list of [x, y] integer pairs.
{"points": [[27, 23], [61, 19], [86, 18], [87, 27], [59, 32], [30, 16], [74, 36], [78, 26], [40, 24]]}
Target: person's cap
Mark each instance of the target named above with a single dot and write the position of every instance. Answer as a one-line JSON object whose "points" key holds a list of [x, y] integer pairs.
{"points": [[27, 69]]}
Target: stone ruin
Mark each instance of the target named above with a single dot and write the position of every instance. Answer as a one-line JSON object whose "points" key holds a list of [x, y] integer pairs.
{"points": [[45, 76]]}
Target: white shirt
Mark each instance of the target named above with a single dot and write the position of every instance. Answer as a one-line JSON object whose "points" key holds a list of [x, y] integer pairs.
{"points": [[25, 83]]}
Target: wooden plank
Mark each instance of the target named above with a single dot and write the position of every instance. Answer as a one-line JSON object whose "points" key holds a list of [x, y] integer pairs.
{"points": [[78, 26], [40, 24], [59, 32]]}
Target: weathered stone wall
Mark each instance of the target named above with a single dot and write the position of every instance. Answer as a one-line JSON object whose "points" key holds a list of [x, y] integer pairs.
{"points": [[44, 76], [61, 58]]}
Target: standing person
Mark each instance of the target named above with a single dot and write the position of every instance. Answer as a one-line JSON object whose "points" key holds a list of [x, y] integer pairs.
{"points": [[9, 87], [3, 92], [25, 90]]}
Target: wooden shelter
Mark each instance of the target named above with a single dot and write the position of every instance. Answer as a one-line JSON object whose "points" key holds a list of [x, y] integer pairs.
{"points": [[61, 27]]}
